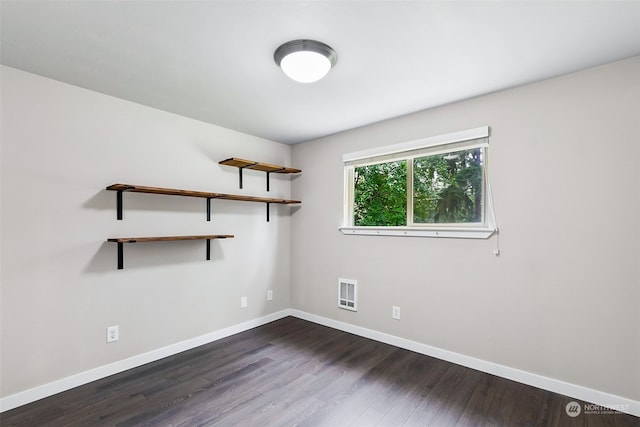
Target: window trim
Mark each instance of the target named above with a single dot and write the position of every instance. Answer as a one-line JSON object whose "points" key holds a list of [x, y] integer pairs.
{"points": [[449, 138], [412, 150]]}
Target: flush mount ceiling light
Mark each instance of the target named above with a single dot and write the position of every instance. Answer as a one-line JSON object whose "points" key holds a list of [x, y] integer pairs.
{"points": [[305, 61]]}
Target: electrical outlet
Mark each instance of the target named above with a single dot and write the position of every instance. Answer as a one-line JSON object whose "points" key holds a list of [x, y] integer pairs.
{"points": [[113, 333], [395, 312], [243, 302], [269, 295]]}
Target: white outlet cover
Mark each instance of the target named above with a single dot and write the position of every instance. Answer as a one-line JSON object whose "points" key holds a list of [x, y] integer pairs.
{"points": [[395, 312], [243, 302], [113, 333], [269, 295]]}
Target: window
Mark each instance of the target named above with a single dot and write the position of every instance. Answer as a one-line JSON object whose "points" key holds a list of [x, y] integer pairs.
{"points": [[433, 187]]}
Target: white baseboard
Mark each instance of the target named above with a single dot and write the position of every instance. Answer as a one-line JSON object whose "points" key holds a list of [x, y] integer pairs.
{"points": [[599, 398], [46, 390]]}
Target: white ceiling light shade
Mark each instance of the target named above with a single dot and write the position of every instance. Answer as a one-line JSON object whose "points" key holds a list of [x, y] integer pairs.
{"points": [[305, 61]]}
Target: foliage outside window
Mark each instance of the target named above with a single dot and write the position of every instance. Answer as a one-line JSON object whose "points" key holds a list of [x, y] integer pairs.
{"points": [[448, 188], [435, 187], [380, 194]]}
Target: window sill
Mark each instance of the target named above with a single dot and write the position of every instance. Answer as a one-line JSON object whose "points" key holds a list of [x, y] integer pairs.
{"points": [[456, 233]]}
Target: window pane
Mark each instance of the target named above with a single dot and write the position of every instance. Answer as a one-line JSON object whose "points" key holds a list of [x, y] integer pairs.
{"points": [[448, 188], [380, 194]]}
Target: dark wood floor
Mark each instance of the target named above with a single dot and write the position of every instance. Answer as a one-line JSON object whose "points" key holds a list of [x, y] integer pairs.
{"points": [[292, 372]]}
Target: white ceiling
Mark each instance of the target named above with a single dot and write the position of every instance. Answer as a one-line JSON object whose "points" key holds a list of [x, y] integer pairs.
{"points": [[213, 60]]}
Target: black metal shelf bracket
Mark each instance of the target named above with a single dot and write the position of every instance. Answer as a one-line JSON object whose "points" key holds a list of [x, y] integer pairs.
{"points": [[119, 204], [268, 210], [269, 173], [120, 255], [208, 210], [240, 168], [208, 249]]}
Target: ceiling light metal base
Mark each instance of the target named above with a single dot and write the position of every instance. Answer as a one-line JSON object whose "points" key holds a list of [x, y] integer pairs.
{"points": [[304, 46]]}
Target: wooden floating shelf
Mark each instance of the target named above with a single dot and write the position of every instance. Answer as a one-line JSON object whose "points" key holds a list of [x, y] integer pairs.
{"points": [[120, 188], [260, 166], [158, 190], [121, 240], [242, 164], [168, 238]]}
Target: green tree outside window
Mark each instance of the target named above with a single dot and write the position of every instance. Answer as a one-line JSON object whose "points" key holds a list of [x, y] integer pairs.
{"points": [[380, 194], [447, 188]]}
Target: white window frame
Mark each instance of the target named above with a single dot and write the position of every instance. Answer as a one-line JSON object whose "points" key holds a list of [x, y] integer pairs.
{"points": [[471, 138]]}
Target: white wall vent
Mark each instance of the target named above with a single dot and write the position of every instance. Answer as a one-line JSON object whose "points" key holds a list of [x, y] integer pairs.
{"points": [[348, 294]]}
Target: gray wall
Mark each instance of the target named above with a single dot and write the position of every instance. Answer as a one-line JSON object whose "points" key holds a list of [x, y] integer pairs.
{"points": [[61, 146], [563, 299]]}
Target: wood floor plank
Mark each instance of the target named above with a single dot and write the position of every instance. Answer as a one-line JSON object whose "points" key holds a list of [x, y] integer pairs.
{"points": [[373, 394], [297, 373], [425, 372]]}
